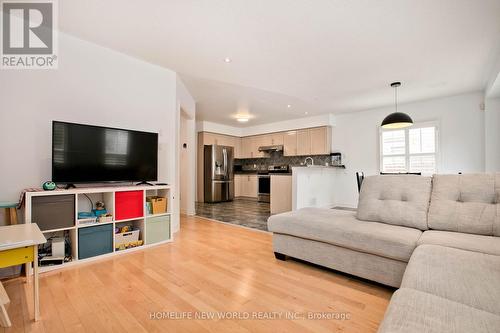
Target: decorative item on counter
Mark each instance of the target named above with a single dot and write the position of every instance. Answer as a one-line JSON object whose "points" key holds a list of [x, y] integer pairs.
{"points": [[336, 159], [158, 204], [49, 186]]}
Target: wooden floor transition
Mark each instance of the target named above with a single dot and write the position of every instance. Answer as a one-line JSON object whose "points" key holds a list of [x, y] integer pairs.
{"points": [[211, 269]]}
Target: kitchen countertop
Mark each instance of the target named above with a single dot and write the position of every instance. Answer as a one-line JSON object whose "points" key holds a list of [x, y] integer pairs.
{"points": [[249, 172], [318, 167], [257, 172]]}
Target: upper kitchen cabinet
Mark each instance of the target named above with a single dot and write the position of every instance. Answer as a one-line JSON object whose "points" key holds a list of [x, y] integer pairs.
{"points": [[310, 141], [277, 138], [321, 140], [265, 139], [304, 142], [208, 138], [238, 149], [246, 147], [250, 145], [261, 141], [290, 143]]}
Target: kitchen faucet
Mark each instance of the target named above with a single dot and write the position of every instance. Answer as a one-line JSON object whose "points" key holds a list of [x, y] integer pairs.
{"points": [[308, 158]]}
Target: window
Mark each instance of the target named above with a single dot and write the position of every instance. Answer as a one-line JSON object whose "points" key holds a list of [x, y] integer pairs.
{"points": [[413, 149]]}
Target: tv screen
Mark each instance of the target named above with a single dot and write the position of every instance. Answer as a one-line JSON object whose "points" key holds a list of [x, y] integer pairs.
{"points": [[85, 154]]}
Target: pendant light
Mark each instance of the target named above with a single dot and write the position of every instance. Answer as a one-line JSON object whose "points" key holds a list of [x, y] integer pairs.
{"points": [[396, 119]]}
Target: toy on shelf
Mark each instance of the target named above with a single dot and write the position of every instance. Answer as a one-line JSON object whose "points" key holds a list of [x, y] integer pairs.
{"points": [[97, 215], [123, 229], [100, 209], [124, 246]]}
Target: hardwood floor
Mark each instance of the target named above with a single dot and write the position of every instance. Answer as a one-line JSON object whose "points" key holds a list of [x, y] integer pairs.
{"points": [[210, 267]]}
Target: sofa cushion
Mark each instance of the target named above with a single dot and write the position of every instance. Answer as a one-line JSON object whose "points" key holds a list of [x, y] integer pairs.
{"points": [[399, 200], [466, 203], [412, 311], [341, 228], [469, 242], [466, 277]]}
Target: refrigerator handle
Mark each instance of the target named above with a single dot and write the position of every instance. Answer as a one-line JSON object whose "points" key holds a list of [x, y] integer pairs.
{"points": [[224, 153]]}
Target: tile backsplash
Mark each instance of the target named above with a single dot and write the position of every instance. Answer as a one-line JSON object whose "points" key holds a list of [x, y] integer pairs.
{"points": [[277, 158]]}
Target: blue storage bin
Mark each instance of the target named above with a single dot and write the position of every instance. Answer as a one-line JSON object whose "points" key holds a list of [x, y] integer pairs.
{"points": [[94, 241]]}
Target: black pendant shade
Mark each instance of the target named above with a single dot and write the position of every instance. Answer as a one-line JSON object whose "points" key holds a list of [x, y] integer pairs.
{"points": [[396, 119]]}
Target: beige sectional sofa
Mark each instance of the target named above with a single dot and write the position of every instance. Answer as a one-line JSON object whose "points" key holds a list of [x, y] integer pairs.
{"points": [[435, 238]]}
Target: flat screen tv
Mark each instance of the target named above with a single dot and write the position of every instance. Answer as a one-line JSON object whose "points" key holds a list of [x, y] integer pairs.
{"points": [[88, 154]]}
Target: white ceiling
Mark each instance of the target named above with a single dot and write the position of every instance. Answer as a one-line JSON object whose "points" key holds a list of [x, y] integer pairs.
{"points": [[320, 56]]}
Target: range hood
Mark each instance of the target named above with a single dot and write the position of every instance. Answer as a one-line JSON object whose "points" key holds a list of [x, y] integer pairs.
{"points": [[271, 148]]}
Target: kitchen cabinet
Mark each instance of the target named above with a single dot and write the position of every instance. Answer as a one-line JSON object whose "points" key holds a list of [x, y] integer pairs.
{"points": [[250, 146], [259, 141], [277, 138], [303, 142], [223, 140], [237, 148], [321, 138], [208, 138], [238, 181], [281, 193], [265, 140], [290, 143], [255, 143], [310, 141], [246, 185], [246, 147]]}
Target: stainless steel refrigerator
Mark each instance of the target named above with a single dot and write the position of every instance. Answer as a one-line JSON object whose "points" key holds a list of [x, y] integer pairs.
{"points": [[218, 173]]}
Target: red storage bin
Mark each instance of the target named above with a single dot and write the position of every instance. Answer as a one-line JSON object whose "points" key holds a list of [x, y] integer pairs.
{"points": [[129, 205]]}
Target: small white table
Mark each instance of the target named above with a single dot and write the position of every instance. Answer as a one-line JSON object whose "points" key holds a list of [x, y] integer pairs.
{"points": [[19, 245]]}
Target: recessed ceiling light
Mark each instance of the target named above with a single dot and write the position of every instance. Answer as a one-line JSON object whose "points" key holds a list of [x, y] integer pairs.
{"points": [[242, 120], [227, 59], [289, 106], [306, 113]]}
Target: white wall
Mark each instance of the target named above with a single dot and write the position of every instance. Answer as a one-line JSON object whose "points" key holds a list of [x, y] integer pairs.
{"points": [[186, 168], [461, 135], [93, 85], [492, 135]]}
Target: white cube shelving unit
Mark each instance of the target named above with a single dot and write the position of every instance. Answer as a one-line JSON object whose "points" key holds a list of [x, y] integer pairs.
{"points": [[160, 224]]}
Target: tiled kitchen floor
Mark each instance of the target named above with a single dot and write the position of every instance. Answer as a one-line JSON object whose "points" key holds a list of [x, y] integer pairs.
{"points": [[244, 212]]}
